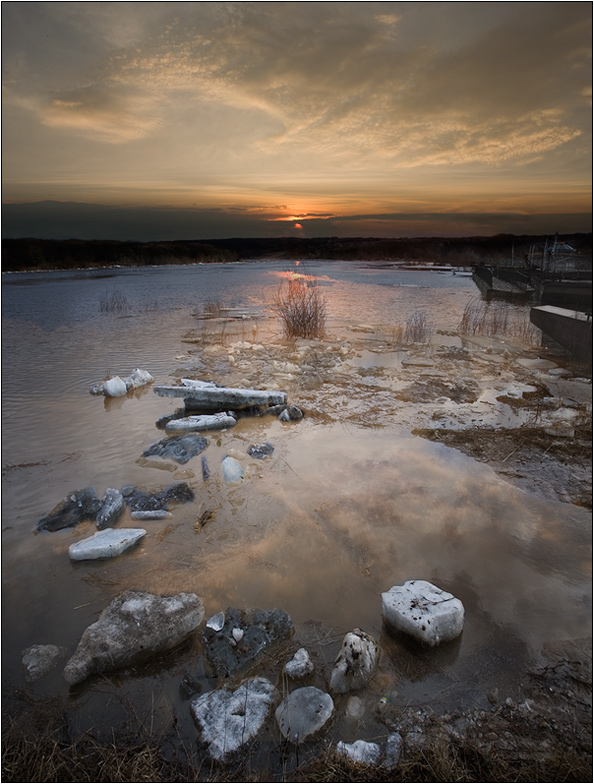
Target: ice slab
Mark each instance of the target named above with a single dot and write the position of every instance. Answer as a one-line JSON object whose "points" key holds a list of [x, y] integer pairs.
{"points": [[424, 611], [201, 422], [105, 544]]}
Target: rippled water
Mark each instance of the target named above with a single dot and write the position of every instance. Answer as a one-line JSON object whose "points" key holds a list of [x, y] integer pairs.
{"points": [[338, 515]]}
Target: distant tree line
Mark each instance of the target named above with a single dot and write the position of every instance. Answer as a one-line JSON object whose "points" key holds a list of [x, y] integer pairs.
{"points": [[38, 254]]}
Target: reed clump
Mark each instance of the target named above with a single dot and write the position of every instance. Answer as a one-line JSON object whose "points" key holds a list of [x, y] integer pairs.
{"points": [[498, 318], [114, 301], [417, 328], [301, 307]]}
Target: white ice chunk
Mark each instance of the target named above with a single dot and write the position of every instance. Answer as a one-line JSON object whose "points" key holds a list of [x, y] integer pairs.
{"points": [[360, 751], [201, 422], [232, 470], [114, 387], [105, 544], [424, 611], [138, 379]]}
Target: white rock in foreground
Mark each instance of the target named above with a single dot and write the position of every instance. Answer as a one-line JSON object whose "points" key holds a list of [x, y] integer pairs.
{"points": [[227, 720], [132, 627], [105, 544], [191, 424], [360, 751], [303, 713], [423, 611], [355, 663]]}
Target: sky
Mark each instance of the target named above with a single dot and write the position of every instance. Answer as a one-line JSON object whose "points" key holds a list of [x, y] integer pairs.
{"points": [[196, 120]]}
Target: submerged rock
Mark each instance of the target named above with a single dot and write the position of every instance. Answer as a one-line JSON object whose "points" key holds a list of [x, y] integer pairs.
{"points": [[105, 544], [179, 448], [303, 713], [228, 720], [300, 666], [39, 660], [202, 422], [78, 505], [356, 662], [423, 611], [360, 751], [134, 626], [231, 469], [291, 414], [145, 501], [112, 508], [260, 451], [261, 628]]}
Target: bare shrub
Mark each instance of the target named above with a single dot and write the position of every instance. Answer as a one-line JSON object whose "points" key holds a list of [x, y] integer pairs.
{"points": [[301, 307], [417, 328], [498, 318], [113, 302]]}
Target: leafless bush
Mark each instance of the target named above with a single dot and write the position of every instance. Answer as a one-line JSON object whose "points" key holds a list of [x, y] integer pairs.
{"points": [[417, 329], [114, 301], [498, 318], [301, 307]]}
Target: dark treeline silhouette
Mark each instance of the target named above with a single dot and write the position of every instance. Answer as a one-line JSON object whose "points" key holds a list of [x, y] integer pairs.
{"points": [[38, 254]]}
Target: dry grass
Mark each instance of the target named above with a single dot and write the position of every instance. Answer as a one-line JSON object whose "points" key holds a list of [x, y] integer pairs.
{"points": [[417, 328], [498, 318], [115, 301], [301, 307]]}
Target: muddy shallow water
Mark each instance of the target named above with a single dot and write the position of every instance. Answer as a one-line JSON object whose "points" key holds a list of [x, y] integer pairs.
{"points": [[338, 514]]}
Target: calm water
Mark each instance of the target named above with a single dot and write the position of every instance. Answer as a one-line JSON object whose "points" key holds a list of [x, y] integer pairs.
{"points": [[338, 516]]}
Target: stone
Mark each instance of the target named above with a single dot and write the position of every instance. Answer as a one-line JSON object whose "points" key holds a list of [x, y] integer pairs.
{"points": [[360, 751], [231, 469], [179, 448], [291, 414], [393, 750], [207, 397], [300, 666], [202, 422], [303, 713], [145, 501], [423, 611], [114, 387], [228, 720], [356, 662], [261, 629], [39, 660], [112, 508], [260, 451], [105, 544], [153, 514], [133, 627], [78, 505]]}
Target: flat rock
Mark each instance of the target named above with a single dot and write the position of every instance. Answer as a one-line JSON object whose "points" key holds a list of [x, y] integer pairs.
{"points": [[228, 720], [423, 611], [261, 628], [201, 422], [146, 501], [39, 660], [303, 713], [361, 751], [112, 508], [134, 626], [78, 505], [355, 663], [105, 544], [231, 469], [300, 666], [179, 448]]}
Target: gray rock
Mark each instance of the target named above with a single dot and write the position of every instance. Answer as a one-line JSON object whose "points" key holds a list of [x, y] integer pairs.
{"points": [[300, 666], [291, 414], [393, 750], [179, 448], [261, 628], [303, 713], [134, 626], [78, 505], [145, 501], [228, 720], [360, 751], [153, 514], [39, 660], [260, 451], [112, 508], [201, 422], [231, 469], [204, 397], [105, 544], [356, 662]]}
